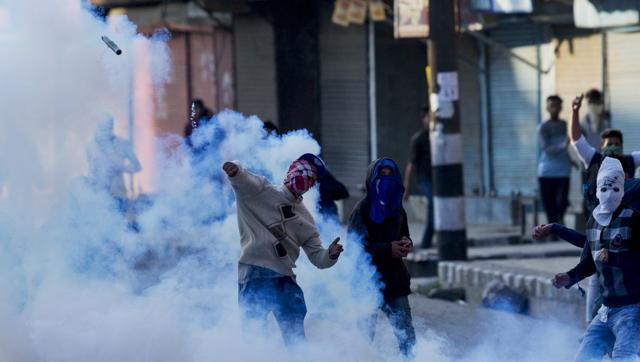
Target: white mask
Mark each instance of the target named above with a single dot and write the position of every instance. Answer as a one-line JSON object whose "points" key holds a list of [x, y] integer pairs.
{"points": [[610, 190], [595, 111]]}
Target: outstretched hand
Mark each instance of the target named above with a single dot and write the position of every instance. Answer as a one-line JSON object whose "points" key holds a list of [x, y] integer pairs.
{"points": [[561, 280], [335, 249], [230, 168], [577, 103], [541, 231]]}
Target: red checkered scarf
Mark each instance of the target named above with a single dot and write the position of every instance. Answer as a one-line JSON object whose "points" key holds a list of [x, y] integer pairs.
{"points": [[300, 177]]}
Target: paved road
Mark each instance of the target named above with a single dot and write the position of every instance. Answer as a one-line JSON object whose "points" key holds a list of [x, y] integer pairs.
{"points": [[469, 333]]}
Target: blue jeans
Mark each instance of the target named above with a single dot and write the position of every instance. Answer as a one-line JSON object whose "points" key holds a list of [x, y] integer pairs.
{"points": [[615, 330], [398, 312], [283, 297], [426, 188]]}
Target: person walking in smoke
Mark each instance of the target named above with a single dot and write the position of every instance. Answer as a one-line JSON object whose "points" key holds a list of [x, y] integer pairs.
{"points": [[613, 231], [109, 158], [380, 222], [274, 224]]}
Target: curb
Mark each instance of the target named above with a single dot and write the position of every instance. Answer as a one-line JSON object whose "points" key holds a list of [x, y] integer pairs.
{"points": [[462, 274]]}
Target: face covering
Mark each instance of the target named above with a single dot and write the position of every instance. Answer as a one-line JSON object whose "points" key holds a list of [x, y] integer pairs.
{"points": [[300, 177], [612, 151], [595, 111], [610, 191], [385, 193]]}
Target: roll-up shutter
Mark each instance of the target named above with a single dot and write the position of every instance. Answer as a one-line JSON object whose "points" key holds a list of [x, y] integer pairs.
{"points": [[578, 69], [514, 104], [256, 87], [172, 108], [470, 120], [203, 68], [344, 100], [624, 80]]}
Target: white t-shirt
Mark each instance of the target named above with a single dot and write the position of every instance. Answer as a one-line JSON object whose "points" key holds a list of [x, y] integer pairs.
{"points": [[586, 151]]}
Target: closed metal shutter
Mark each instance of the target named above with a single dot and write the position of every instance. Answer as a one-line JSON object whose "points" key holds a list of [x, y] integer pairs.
{"points": [[513, 89], [578, 66], [256, 87], [172, 107], [470, 120], [623, 51], [344, 100], [225, 87], [578, 69], [203, 69]]}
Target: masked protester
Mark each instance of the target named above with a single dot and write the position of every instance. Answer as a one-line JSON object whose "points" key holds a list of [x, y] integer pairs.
{"points": [[274, 224], [613, 253], [611, 146], [380, 222], [596, 120]]}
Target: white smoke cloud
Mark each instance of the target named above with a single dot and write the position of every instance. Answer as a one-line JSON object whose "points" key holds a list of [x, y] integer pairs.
{"points": [[77, 281]]}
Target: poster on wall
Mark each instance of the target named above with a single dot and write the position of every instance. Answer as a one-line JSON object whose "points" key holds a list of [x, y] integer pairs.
{"points": [[376, 10], [358, 11], [411, 18], [341, 12]]}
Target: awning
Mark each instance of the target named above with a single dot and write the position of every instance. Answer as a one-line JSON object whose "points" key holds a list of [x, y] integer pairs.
{"points": [[606, 13]]}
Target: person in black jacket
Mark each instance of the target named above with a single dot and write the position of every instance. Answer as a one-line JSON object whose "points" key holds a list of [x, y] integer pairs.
{"points": [[331, 190], [380, 222]]}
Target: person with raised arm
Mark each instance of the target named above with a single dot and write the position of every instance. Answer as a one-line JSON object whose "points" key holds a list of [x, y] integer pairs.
{"points": [[274, 224]]}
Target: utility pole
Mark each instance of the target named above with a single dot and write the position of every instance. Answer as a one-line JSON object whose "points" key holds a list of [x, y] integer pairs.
{"points": [[446, 139]]}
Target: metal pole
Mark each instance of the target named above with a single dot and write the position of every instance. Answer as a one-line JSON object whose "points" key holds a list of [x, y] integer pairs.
{"points": [[484, 114], [373, 114], [446, 139]]}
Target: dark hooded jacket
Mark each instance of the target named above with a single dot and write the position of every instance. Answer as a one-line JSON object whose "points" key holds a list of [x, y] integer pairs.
{"points": [[377, 239]]}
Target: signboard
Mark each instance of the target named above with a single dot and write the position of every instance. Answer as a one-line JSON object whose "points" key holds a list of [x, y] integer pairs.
{"points": [[503, 6], [411, 19], [448, 86], [376, 9], [341, 12], [358, 11]]}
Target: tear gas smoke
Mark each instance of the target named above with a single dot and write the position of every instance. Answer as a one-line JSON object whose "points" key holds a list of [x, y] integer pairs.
{"points": [[80, 280]]}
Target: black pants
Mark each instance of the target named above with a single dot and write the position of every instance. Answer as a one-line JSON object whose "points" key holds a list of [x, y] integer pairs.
{"points": [[555, 197], [280, 296]]}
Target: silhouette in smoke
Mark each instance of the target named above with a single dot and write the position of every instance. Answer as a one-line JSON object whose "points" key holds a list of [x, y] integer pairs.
{"points": [[271, 128], [199, 116], [331, 190], [274, 224], [381, 222], [110, 157]]}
